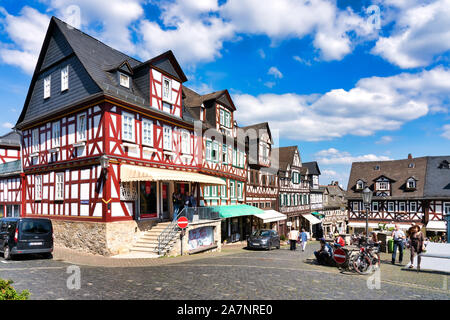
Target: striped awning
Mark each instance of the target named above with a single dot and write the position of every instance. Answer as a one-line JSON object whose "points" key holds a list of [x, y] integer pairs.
{"points": [[270, 216], [137, 173], [313, 220]]}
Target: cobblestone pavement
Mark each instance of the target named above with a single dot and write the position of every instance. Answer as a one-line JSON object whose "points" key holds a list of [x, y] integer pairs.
{"points": [[235, 273]]}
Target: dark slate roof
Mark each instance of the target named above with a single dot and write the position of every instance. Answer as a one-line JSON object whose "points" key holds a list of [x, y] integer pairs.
{"points": [[313, 167], [285, 156], [10, 168], [99, 60], [397, 170], [437, 181], [10, 139]]}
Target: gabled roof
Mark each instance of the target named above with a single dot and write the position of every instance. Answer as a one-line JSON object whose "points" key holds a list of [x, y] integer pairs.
{"points": [[285, 156], [396, 170], [313, 167], [437, 184], [171, 57], [193, 99], [383, 176], [99, 62], [11, 139], [260, 126]]}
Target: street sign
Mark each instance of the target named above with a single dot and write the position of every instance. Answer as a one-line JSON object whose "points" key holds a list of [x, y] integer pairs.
{"points": [[182, 222], [339, 256]]}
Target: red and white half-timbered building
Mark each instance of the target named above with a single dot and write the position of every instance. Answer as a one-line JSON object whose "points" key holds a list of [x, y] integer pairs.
{"points": [[105, 140], [10, 176]]}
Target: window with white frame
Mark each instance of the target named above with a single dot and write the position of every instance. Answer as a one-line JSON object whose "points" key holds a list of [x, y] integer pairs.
{"points": [[167, 88], [391, 207], [59, 186], [206, 190], [215, 152], [147, 132], [447, 208], [232, 190], [35, 140], [411, 183], [167, 137], [227, 119], [224, 154], [401, 207], [239, 189], [47, 86], [38, 188], [360, 185], [185, 142], [214, 191], [81, 127], [124, 80], [56, 133], [223, 191], [65, 78], [383, 185], [234, 157], [127, 126], [375, 206], [208, 150], [222, 117], [167, 107], [413, 206]]}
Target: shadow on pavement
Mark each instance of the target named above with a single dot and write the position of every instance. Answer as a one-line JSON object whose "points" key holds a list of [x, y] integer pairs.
{"points": [[425, 271]]}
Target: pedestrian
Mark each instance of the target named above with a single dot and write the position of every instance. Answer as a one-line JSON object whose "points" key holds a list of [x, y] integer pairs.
{"points": [[176, 197], [293, 238], [399, 239], [417, 245], [303, 239], [325, 253]]}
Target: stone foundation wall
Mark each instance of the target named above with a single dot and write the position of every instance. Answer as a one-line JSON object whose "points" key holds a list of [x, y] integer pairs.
{"points": [[104, 238]]}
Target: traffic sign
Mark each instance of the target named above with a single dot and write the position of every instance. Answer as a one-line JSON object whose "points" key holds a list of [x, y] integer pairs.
{"points": [[182, 222], [339, 256]]}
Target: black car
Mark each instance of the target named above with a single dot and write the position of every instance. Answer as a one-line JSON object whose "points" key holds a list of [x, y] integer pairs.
{"points": [[26, 236], [265, 238]]}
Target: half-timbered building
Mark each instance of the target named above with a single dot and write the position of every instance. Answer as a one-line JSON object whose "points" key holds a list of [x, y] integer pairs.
{"points": [[334, 209], [293, 188], [10, 176], [315, 199], [262, 178], [105, 140], [406, 191]]}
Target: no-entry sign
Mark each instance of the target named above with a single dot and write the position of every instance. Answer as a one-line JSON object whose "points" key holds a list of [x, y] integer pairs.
{"points": [[182, 222], [339, 256]]}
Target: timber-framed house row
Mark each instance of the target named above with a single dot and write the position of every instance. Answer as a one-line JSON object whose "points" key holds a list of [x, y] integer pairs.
{"points": [[293, 186], [412, 190], [103, 135]]}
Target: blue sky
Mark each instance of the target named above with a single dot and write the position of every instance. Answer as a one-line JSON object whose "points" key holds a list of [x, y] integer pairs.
{"points": [[324, 73]]}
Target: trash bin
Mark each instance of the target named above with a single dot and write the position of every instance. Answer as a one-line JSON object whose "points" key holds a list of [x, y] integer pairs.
{"points": [[390, 245]]}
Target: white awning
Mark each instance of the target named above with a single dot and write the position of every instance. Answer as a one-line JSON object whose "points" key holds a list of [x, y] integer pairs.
{"points": [[437, 226], [138, 173], [270, 216], [362, 225], [313, 220], [400, 226]]}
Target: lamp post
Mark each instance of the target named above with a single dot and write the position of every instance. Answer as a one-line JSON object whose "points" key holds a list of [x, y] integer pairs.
{"points": [[104, 163], [447, 218], [367, 200]]}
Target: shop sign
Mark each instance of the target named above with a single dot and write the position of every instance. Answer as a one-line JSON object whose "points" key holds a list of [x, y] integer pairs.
{"points": [[200, 237]]}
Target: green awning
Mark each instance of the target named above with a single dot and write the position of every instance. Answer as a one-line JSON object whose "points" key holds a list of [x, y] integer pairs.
{"points": [[238, 210], [318, 215]]}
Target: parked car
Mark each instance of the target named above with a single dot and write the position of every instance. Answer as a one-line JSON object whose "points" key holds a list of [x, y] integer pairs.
{"points": [[26, 236], [264, 238]]}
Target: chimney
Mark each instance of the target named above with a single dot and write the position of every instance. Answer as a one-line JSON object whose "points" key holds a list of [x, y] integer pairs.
{"points": [[336, 183], [409, 156]]}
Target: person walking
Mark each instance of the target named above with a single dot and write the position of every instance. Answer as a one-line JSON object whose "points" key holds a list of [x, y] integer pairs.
{"points": [[303, 239], [293, 238], [416, 245], [399, 239]]}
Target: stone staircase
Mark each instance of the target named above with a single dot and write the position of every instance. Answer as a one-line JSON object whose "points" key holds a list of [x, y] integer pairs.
{"points": [[148, 242]]}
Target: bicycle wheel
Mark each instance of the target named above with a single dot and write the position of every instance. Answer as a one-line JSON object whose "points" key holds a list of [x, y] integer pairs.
{"points": [[362, 264]]}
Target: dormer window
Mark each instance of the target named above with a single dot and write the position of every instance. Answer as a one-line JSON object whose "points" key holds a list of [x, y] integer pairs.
{"points": [[47, 87], [444, 165], [383, 185], [411, 183], [411, 165], [124, 80], [360, 185], [377, 168]]}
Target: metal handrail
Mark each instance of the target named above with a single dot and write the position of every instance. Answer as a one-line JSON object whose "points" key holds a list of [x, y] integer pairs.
{"points": [[201, 213], [169, 232]]}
